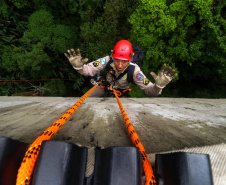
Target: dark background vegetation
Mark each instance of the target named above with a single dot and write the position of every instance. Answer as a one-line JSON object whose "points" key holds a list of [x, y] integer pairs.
{"points": [[186, 34]]}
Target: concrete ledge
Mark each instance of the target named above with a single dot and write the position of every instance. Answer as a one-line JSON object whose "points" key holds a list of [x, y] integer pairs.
{"points": [[162, 124]]}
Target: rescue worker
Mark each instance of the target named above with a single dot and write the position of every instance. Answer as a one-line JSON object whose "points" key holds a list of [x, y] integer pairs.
{"points": [[122, 55]]}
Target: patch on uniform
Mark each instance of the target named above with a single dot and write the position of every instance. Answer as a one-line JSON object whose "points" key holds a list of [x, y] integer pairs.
{"points": [[146, 81], [103, 61], [139, 76], [96, 63], [111, 72], [124, 77]]}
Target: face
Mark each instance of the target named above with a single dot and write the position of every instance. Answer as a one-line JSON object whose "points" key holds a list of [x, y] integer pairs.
{"points": [[120, 65]]}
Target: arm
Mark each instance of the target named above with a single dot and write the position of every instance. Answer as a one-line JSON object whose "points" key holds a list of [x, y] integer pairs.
{"points": [[161, 80], [145, 84], [79, 64], [92, 68]]}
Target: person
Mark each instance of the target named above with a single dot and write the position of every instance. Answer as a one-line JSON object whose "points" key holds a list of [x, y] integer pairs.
{"points": [[122, 56]]}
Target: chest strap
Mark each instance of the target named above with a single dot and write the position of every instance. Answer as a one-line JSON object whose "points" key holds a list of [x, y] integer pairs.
{"points": [[129, 71], [107, 87]]}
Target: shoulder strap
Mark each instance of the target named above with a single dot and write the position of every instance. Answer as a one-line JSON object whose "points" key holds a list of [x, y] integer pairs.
{"points": [[108, 66], [131, 69], [121, 75]]}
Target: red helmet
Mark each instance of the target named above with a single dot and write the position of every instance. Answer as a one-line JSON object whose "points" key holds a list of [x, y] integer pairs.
{"points": [[123, 50]]}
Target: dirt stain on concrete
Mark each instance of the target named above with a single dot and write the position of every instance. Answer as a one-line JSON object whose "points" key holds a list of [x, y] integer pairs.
{"points": [[162, 124]]}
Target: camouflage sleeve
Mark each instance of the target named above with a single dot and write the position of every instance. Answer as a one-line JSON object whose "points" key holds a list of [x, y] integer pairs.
{"points": [[92, 68], [145, 85]]}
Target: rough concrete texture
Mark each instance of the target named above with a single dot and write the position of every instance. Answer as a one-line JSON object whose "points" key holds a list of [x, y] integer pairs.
{"points": [[162, 124]]}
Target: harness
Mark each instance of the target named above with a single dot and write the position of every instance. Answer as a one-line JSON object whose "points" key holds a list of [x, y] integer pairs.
{"points": [[136, 59], [108, 88], [129, 71]]}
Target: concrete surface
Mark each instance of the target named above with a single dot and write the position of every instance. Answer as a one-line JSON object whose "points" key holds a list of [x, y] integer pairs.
{"points": [[162, 124]]}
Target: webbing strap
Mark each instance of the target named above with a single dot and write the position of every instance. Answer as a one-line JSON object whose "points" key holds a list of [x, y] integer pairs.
{"points": [[25, 171], [150, 178], [121, 92]]}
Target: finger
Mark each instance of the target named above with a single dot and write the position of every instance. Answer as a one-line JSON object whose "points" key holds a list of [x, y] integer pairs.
{"points": [[66, 55], [174, 75], [170, 72], [78, 52], [69, 52], [73, 52], [84, 60], [153, 75], [163, 68], [173, 71]]}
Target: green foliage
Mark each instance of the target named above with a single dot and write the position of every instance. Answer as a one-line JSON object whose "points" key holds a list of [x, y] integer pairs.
{"points": [[3, 8], [19, 3], [12, 24], [41, 24], [55, 88], [60, 8], [33, 60], [150, 21], [194, 90], [186, 32], [63, 38], [38, 51], [7, 89], [102, 27], [136, 92], [6, 61], [42, 43], [79, 82]]}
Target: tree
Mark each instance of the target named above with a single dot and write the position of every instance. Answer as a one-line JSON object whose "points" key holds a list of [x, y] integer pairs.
{"points": [[189, 33], [104, 25], [34, 47]]}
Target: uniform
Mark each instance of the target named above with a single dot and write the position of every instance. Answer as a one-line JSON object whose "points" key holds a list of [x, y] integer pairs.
{"points": [[139, 78]]}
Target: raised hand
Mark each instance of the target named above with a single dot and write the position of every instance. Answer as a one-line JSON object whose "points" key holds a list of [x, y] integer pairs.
{"points": [[165, 75], [75, 58]]}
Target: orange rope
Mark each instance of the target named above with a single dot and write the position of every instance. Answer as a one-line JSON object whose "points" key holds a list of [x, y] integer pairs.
{"points": [[150, 178], [27, 166]]}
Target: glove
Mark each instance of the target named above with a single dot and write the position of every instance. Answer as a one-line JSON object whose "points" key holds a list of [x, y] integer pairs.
{"points": [[75, 58], [165, 75]]}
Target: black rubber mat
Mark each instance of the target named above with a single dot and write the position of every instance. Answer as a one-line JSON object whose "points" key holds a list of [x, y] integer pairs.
{"points": [[62, 163], [11, 156], [182, 168], [118, 165]]}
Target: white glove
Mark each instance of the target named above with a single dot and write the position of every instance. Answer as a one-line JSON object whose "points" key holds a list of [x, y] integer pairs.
{"points": [[75, 58], [165, 75]]}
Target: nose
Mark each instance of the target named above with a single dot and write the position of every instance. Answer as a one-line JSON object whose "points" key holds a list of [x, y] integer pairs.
{"points": [[120, 64]]}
